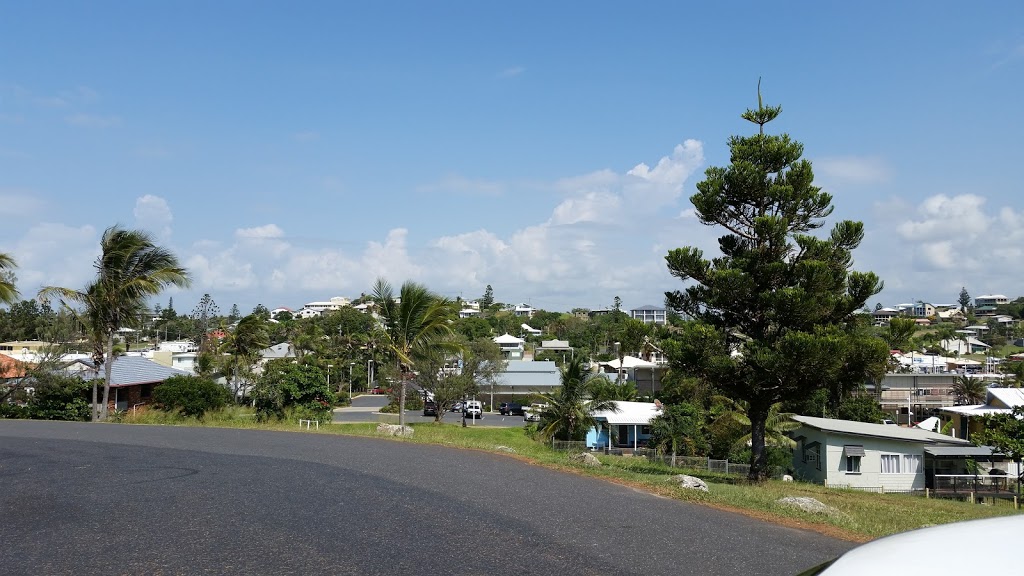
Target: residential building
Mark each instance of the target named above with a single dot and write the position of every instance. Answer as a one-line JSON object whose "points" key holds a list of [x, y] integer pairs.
{"points": [[650, 314], [997, 401], [628, 426], [512, 348], [646, 376], [524, 310], [990, 300], [883, 315], [335, 303], [523, 378], [529, 330], [970, 345], [879, 457], [132, 379]]}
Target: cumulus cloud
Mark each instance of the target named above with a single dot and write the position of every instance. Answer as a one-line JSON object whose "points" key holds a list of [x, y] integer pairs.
{"points": [[51, 254], [152, 213], [945, 242]]}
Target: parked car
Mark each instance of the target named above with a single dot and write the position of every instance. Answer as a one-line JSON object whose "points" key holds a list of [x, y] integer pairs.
{"points": [[511, 409], [430, 408], [879, 556], [472, 409], [532, 412], [457, 407]]}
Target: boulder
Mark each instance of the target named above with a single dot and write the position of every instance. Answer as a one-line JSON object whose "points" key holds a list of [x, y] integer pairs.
{"points": [[394, 429], [585, 458], [808, 504], [690, 482], [787, 478], [505, 449]]}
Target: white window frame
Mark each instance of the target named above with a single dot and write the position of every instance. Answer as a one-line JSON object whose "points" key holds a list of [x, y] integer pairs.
{"points": [[895, 460], [911, 463]]}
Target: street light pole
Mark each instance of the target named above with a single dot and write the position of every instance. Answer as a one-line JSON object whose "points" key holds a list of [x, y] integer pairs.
{"points": [[350, 365], [329, 366]]}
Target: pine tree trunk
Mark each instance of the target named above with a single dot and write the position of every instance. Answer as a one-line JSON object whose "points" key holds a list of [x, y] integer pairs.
{"points": [[758, 454], [108, 369]]}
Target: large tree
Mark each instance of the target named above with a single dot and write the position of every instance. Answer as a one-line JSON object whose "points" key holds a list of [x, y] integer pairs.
{"points": [[417, 324], [570, 407], [130, 269], [773, 315]]}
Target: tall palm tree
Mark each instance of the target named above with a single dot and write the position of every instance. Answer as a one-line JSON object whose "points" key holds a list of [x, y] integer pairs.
{"points": [[570, 407], [968, 391], [8, 291], [416, 324], [130, 269], [243, 346]]}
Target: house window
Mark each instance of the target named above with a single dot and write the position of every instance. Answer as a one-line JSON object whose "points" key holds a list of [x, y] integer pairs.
{"points": [[145, 391], [890, 463], [911, 463], [853, 464], [645, 429]]}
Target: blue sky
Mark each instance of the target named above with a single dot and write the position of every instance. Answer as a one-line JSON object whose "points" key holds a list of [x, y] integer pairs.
{"points": [[293, 153]]}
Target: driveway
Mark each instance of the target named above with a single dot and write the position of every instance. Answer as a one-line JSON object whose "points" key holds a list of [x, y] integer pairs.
{"points": [[115, 499]]}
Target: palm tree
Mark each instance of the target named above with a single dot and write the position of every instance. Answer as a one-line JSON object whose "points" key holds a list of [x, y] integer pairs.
{"points": [[130, 269], [570, 408], [8, 291], [968, 391], [243, 346], [776, 427], [416, 325]]}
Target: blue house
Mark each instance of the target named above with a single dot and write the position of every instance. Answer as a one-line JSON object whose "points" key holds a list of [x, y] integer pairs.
{"points": [[628, 426]]}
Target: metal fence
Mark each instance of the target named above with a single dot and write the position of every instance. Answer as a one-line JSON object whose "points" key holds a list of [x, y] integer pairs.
{"points": [[711, 465], [568, 445]]}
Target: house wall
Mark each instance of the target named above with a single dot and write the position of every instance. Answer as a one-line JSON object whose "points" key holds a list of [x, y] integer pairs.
{"points": [[871, 475], [808, 469]]}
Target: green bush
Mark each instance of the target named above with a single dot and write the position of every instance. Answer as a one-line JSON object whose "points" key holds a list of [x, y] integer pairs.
{"points": [[191, 395], [287, 386], [60, 398]]}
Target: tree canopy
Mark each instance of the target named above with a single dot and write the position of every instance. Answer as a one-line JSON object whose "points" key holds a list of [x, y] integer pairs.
{"points": [[773, 315]]}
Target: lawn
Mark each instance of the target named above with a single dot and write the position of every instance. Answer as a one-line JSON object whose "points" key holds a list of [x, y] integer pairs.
{"points": [[860, 515]]}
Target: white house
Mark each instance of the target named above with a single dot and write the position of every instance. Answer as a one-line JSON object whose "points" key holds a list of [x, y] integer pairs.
{"points": [[527, 329], [997, 401], [628, 426], [971, 346], [866, 456], [650, 314], [524, 310], [318, 308], [646, 376], [512, 348]]}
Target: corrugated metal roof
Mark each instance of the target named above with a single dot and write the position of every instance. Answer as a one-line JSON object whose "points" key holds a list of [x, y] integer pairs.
{"points": [[967, 451], [877, 430], [1010, 397], [629, 413], [134, 370]]}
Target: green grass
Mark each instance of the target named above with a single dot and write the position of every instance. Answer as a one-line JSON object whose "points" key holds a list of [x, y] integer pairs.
{"points": [[861, 515]]}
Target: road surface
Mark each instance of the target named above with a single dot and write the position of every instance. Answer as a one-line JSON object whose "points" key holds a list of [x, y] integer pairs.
{"points": [[82, 498]]}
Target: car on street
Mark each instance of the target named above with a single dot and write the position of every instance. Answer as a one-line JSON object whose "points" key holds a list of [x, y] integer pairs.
{"points": [[457, 407], [472, 409], [510, 409], [430, 408]]}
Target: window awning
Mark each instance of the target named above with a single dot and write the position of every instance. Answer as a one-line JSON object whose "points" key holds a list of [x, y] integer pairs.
{"points": [[853, 450]]}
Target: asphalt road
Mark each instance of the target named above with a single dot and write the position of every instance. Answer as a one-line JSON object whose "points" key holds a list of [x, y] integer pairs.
{"points": [[115, 499]]}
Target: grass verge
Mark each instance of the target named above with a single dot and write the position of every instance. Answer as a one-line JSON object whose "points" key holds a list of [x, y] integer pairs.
{"points": [[859, 516]]}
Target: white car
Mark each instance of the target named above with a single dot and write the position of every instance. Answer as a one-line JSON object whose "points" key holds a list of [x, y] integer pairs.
{"points": [[472, 409], [532, 412], [943, 543]]}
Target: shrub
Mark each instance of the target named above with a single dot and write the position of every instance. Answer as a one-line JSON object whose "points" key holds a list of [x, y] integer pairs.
{"points": [[192, 395], [59, 397], [285, 386]]}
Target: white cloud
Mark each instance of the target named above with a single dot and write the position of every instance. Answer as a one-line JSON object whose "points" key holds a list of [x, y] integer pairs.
{"points": [[50, 254], [852, 169], [945, 242], [153, 214], [92, 120], [266, 231], [19, 202]]}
